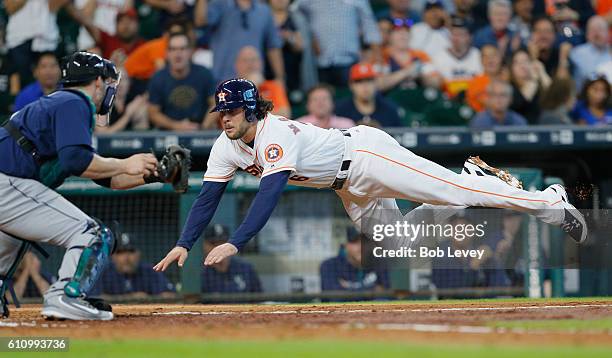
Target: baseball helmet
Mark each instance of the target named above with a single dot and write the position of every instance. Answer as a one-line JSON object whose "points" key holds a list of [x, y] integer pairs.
{"points": [[81, 67], [86, 66], [237, 93]]}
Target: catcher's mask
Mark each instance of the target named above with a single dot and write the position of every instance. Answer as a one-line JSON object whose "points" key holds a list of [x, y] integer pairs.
{"points": [[237, 93], [82, 67]]}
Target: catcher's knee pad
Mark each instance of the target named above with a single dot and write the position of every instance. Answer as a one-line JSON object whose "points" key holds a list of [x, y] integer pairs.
{"points": [[92, 262]]}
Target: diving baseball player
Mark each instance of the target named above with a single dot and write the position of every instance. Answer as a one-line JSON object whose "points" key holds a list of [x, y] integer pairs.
{"points": [[366, 167], [42, 145]]}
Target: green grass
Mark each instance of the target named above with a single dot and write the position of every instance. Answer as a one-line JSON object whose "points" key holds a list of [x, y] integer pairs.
{"points": [[558, 324], [318, 348]]}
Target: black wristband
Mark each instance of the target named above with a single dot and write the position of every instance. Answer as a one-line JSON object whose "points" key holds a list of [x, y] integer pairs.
{"points": [[105, 182], [152, 179]]}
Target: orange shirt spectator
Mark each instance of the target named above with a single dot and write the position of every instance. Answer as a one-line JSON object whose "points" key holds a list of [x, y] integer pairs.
{"points": [[275, 92], [603, 7], [476, 94], [147, 59]]}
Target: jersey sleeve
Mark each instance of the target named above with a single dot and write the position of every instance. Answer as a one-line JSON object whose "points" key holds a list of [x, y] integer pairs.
{"points": [[220, 166], [280, 153], [73, 125]]}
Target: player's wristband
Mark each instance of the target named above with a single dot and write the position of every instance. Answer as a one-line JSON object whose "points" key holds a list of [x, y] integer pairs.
{"points": [[152, 179]]}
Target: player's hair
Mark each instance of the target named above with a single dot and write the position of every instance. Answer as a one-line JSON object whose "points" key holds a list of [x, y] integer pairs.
{"points": [[262, 107]]}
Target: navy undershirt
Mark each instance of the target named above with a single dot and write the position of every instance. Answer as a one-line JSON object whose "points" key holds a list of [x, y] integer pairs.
{"points": [[206, 203]]}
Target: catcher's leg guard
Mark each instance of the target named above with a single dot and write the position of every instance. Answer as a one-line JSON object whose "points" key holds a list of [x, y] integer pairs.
{"points": [[92, 262]]}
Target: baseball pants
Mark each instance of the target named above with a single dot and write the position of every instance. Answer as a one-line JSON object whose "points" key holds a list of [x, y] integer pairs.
{"points": [[33, 212], [382, 170]]}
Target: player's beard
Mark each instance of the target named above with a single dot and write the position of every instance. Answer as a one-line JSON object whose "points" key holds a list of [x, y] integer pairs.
{"points": [[239, 131]]}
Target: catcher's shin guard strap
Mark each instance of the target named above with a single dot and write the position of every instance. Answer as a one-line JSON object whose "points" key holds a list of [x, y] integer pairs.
{"points": [[92, 262]]}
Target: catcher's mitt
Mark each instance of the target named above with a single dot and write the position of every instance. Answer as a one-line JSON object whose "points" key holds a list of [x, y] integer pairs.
{"points": [[174, 168]]}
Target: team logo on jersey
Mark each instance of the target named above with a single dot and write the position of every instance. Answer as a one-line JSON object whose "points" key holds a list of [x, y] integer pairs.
{"points": [[273, 153]]}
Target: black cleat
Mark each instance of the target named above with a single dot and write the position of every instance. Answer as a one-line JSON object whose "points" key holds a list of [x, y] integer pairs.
{"points": [[574, 223]]}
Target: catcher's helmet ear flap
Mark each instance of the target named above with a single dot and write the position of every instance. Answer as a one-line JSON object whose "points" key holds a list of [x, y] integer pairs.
{"points": [[109, 97], [237, 93]]}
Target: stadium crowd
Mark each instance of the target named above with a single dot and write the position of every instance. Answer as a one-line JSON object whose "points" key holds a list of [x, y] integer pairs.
{"points": [[393, 63]]}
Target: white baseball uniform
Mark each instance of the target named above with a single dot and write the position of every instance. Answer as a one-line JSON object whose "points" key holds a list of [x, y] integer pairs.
{"points": [[381, 170]]}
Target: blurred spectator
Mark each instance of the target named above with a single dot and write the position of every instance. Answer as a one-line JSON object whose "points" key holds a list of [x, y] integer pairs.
{"points": [[476, 94], [236, 24], [529, 79], [320, 107], [542, 46], [250, 66], [605, 70], [30, 280], [293, 44], [431, 36], [180, 94], [405, 66], [124, 40], [464, 9], [232, 275], [102, 14], [576, 12], [345, 272], [339, 28], [47, 75], [460, 272], [366, 106], [9, 80], [587, 57], [557, 102], [497, 111], [595, 104], [459, 63], [498, 33], [399, 13], [150, 57], [604, 8], [31, 29], [171, 9], [128, 275], [133, 117], [521, 22]]}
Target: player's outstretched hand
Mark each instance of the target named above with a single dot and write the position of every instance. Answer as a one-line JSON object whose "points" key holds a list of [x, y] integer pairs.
{"points": [[177, 253], [219, 253], [141, 164]]}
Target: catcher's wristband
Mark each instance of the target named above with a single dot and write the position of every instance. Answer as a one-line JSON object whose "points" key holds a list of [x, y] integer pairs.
{"points": [[152, 179]]}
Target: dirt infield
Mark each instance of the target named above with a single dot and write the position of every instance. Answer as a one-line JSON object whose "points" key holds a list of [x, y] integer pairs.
{"points": [[412, 322]]}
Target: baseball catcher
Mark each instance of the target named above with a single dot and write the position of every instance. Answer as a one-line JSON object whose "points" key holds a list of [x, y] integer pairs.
{"points": [[43, 144]]}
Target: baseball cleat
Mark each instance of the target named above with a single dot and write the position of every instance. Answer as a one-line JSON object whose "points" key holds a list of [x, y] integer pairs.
{"points": [[63, 307], [574, 223], [477, 166]]}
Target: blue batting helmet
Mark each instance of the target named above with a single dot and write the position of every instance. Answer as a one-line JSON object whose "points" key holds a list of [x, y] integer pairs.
{"points": [[237, 93]]}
